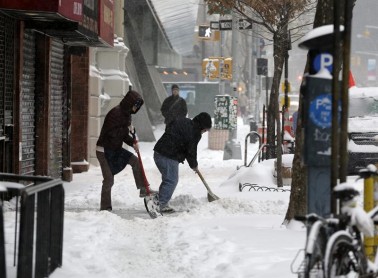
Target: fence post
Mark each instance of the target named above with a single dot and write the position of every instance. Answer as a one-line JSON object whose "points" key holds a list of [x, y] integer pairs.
{"points": [[57, 227], [25, 255], [43, 236], [3, 270]]}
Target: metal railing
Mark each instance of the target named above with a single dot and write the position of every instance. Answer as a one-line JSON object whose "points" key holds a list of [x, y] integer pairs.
{"points": [[40, 241]]}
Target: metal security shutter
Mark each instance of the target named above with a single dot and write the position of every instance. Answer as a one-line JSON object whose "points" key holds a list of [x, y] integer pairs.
{"points": [[56, 109], [7, 71], [28, 105]]}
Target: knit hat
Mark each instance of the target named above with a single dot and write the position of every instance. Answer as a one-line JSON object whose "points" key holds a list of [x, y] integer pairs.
{"points": [[174, 86], [203, 120]]}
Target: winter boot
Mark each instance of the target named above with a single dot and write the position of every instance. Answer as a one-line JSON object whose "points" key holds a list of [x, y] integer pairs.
{"points": [[166, 209]]}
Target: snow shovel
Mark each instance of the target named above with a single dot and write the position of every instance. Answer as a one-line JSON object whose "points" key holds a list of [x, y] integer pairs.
{"points": [[210, 195], [151, 202]]}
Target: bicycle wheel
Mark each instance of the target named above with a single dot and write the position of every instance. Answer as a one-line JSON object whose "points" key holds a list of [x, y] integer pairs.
{"points": [[313, 266], [315, 251], [342, 259]]}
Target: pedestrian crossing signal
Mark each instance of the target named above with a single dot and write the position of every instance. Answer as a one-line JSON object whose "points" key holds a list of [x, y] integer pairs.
{"points": [[204, 32]]}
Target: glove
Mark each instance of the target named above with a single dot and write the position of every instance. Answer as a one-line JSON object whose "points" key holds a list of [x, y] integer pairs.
{"points": [[135, 146]]}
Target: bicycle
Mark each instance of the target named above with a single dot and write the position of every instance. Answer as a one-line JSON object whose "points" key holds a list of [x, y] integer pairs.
{"points": [[345, 253], [334, 245], [319, 230]]}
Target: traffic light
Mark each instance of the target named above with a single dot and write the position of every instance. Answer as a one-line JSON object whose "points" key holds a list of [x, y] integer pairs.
{"points": [[210, 68], [227, 69], [262, 66], [204, 32]]}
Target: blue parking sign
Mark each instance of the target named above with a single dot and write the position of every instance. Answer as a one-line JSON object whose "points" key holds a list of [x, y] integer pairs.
{"points": [[321, 111], [323, 60]]}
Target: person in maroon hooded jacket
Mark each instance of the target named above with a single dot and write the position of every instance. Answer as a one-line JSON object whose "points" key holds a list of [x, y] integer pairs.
{"points": [[112, 156]]}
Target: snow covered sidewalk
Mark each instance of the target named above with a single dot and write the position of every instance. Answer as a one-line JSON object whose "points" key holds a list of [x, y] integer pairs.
{"points": [[239, 235]]}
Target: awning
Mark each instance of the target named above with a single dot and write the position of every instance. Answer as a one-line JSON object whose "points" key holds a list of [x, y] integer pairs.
{"points": [[177, 20], [76, 22]]}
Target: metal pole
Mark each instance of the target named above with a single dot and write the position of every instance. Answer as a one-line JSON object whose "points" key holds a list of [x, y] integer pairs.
{"points": [[286, 103], [344, 92], [257, 78], [232, 148], [369, 205], [221, 81], [335, 102], [267, 91], [286, 92]]}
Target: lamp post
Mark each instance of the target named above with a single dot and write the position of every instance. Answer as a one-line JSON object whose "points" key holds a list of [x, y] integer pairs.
{"points": [[232, 148]]}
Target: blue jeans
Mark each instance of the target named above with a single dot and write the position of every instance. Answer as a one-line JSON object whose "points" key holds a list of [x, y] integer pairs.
{"points": [[169, 170]]}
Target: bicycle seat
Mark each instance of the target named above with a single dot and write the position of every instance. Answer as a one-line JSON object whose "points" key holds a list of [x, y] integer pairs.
{"points": [[345, 191]]}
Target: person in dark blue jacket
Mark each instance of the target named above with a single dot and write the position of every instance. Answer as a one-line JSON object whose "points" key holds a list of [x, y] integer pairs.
{"points": [[175, 145]]}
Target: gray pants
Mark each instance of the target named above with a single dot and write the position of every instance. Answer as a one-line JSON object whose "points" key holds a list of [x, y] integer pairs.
{"points": [[108, 179]]}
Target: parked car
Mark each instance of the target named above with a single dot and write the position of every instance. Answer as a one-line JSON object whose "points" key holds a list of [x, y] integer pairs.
{"points": [[362, 128]]}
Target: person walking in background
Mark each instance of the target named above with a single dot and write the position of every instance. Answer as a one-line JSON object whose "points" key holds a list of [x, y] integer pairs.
{"points": [[112, 156], [173, 107], [173, 147], [243, 104]]}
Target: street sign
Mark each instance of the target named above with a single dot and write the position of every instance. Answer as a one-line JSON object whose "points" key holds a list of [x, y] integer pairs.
{"points": [[323, 60], [282, 101], [225, 24], [262, 66], [283, 87], [245, 24], [214, 25]]}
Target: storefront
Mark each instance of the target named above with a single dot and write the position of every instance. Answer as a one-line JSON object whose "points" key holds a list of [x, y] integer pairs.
{"points": [[40, 41]]}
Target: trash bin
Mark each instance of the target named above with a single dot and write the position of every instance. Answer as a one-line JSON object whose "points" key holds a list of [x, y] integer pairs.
{"points": [[252, 127]]}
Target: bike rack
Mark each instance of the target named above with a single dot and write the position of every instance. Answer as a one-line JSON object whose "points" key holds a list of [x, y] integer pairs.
{"points": [[246, 147], [256, 187], [257, 155]]}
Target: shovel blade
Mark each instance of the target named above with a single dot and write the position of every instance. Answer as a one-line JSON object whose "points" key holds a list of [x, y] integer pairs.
{"points": [[151, 203], [212, 197]]}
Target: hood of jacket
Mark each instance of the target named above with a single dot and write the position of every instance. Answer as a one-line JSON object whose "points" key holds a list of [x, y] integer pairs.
{"points": [[203, 121], [132, 98]]}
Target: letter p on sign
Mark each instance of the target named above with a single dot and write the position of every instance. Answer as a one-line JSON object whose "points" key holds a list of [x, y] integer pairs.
{"points": [[323, 60]]}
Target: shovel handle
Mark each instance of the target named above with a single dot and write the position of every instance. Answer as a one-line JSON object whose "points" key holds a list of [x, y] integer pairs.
{"points": [[204, 182]]}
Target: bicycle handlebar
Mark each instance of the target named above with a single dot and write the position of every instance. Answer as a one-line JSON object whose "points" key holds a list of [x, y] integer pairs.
{"points": [[370, 170]]}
